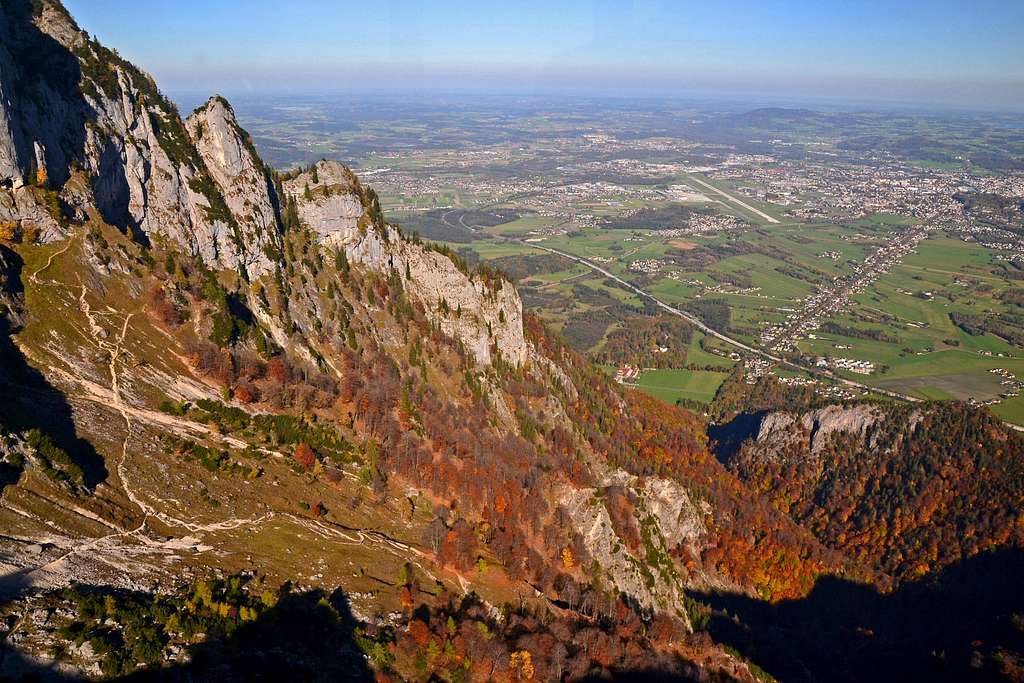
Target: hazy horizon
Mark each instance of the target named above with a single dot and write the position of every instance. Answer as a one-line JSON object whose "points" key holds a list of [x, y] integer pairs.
{"points": [[902, 53]]}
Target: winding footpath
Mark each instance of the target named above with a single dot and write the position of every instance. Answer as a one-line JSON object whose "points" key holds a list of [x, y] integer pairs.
{"points": [[114, 397]]}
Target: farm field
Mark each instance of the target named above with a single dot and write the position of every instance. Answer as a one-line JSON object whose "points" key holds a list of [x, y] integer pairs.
{"points": [[670, 385], [918, 348], [741, 233], [901, 323]]}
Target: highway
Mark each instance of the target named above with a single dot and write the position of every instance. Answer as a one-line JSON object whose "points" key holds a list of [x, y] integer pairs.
{"points": [[735, 342], [699, 324]]}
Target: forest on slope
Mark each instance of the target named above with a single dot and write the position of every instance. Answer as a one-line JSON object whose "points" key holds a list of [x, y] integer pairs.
{"points": [[231, 347]]}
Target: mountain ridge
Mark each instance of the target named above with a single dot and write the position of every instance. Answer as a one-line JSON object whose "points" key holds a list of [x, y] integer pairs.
{"points": [[263, 393]]}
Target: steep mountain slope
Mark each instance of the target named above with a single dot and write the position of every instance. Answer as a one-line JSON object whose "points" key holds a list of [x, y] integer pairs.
{"points": [[904, 489], [238, 403], [83, 129], [216, 368]]}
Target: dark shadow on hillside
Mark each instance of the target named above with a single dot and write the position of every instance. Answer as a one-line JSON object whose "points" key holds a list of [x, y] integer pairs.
{"points": [[14, 666], [28, 401], [727, 438], [305, 637], [310, 637], [50, 108], [300, 639], [694, 674], [947, 627], [13, 585], [46, 86]]}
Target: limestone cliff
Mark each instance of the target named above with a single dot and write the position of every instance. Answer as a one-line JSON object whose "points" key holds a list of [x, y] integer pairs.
{"points": [[485, 315], [83, 130], [328, 200], [245, 183], [815, 428], [670, 524], [12, 298], [91, 133], [307, 356]]}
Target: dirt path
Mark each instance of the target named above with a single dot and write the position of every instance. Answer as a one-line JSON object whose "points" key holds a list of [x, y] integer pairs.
{"points": [[34, 277], [192, 542]]}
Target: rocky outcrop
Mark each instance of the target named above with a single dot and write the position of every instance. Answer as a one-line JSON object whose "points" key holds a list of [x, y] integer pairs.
{"points": [[328, 200], [671, 524], [679, 520], [816, 427], [651, 586], [239, 172], [12, 298], [10, 169], [92, 131], [855, 420], [485, 315]]}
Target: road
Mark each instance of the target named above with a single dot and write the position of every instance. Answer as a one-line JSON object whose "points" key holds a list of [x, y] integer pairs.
{"points": [[696, 322], [831, 298]]}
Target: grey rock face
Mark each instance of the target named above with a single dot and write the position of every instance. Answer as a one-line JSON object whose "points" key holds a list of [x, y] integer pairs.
{"points": [[670, 520], [817, 426], [332, 208], [12, 299], [679, 520], [42, 113], [106, 138], [10, 169], [856, 420], [774, 424], [483, 317], [239, 173]]}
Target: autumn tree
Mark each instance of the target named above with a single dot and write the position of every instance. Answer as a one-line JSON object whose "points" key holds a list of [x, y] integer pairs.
{"points": [[305, 456]]}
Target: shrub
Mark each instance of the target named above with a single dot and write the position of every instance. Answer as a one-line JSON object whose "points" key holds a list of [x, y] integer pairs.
{"points": [[305, 456], [9, 231], [162, 308]]}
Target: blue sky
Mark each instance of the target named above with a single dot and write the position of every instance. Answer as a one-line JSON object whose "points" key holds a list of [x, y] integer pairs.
{"points": [[960, 52]]}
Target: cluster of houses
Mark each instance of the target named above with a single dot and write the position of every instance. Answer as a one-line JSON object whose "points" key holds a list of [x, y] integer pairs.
{"points": [[832, 298], [1013, 384], [861, 367], [627, 373], [646, 265]]}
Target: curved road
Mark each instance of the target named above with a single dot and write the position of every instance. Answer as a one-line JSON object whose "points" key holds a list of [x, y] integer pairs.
{"points": [[729, 340], [700, 324], [696, 322]]}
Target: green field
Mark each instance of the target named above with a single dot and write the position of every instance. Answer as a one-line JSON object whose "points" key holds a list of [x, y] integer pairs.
{"points": [[764, 271], [566, 188], [669, 385], [1011, 410], [698, 356]]}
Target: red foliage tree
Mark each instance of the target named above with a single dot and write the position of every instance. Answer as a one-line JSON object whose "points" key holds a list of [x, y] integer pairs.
{"points": [[278, 370], [305, 456], [163, 310], [244, 394]]}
